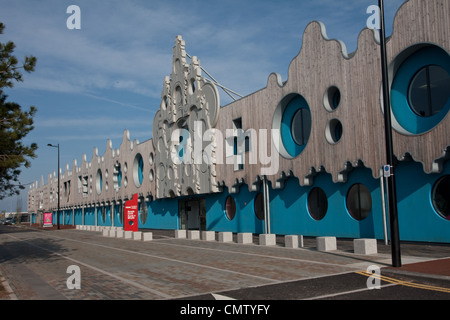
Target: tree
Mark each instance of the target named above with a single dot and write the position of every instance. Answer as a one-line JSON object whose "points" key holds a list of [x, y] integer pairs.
{"points": [[15, 123]]}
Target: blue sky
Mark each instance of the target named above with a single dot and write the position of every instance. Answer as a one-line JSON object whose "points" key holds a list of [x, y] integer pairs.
{"points": [[92, 84]]}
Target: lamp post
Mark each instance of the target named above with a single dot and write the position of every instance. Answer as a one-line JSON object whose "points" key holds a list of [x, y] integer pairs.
{"points": [[392, 196], [59, 187]]}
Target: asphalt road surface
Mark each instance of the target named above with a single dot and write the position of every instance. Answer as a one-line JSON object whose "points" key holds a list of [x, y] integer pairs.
{"points": [[84, 265]]}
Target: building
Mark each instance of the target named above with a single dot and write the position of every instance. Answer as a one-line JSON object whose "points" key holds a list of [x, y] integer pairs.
{"points": [[300, 157]]}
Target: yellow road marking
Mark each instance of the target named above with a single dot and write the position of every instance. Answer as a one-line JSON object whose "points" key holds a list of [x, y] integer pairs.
{"points": [[403, 283]]}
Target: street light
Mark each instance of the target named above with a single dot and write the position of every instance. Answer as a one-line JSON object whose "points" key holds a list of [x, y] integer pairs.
{"points": [[392, 196], [59, 187]]}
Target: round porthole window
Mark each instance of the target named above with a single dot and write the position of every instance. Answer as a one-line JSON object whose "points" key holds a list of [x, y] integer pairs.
{"points": [[138, 169], [292, 118], [332, 98], [359, 202], [103, 211], [143, 210], [429, 91], [333, 131], [440, 197], [317, 204], [259, 206], [99, 182], [420, 91], [230, 208]]}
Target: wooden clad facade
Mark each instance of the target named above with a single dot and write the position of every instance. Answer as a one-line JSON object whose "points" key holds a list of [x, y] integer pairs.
{"points": [[331, 100]]}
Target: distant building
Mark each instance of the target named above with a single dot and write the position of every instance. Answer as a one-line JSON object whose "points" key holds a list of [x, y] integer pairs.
{"points": [[300, 157], [23, 216]]}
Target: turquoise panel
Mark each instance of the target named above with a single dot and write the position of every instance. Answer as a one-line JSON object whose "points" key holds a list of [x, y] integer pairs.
{"points": [[418, 221], [161, 214], [78, 217], [89, 216], [290, 215], [116, 215], [104, 222], [245, 219], [68, 217]]}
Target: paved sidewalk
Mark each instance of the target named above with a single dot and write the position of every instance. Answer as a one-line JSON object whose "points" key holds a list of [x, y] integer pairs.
{"points": [[438, 267]]}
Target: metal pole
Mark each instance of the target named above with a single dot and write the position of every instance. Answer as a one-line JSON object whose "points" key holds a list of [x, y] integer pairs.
{"points": [[59, 191], [59, 182], [383, 208], [392, 196], [265, 206], [267, 198]]}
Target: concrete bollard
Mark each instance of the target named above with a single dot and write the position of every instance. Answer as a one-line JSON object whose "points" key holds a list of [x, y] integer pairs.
{"points": [[193, 234], [119, 234], [365, 246], [128, 235], [208, 235], [267, 239], [326, 243], [226, 236], [147, 236], [245, 237], [291, 241], [180, 234], [137, 235]]}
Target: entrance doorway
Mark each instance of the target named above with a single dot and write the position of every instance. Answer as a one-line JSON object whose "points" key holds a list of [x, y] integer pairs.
{"points": [[192, 214]]}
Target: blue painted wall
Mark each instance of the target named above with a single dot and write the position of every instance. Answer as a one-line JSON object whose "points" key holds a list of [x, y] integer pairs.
{"points": [[104, 222], [78, 216], [89, 216], [296, 219], [68, 220], [161, 214], [418, 221], [289, 210], [245, 219]]}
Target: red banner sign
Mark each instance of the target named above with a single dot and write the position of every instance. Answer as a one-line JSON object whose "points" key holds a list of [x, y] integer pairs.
{"points": [[131, 214], [48, 219]]}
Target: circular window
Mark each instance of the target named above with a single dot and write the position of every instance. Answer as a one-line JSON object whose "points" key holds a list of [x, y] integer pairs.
{"points": [[429, 91], [230, 208], [103, 211], [99, 182], [292, 118], [359, 201], [333, 131], [151, 175], [332, 98], [151, 158], [259, 206], [143, 210], [301, 126], [119, 212], [440, 197], [420, 91], [317, 204], [138, 168]]}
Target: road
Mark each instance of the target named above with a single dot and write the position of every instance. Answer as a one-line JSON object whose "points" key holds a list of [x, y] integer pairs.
{"points": [[35, 265]]}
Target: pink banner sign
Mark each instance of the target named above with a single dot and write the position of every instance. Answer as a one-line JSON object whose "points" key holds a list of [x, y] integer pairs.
{"points": [[48, 219]]}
